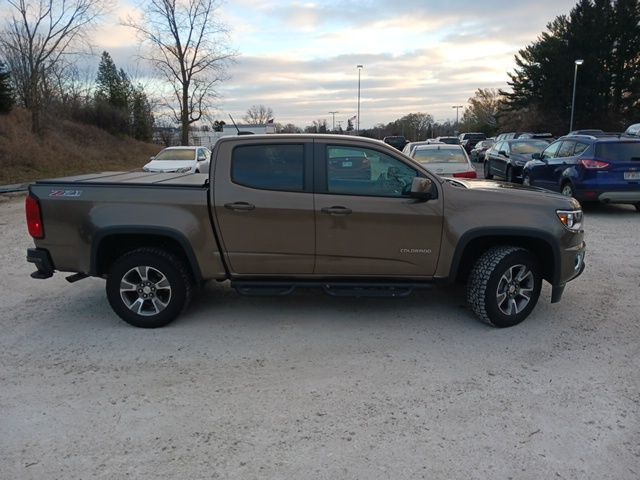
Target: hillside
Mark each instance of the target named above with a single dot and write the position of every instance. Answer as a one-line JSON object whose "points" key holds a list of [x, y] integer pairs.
{"points": [[66, 148]]}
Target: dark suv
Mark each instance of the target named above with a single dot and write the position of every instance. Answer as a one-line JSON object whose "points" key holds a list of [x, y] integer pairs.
{"points": [[469, 140], [397, 141], [589, 168]]}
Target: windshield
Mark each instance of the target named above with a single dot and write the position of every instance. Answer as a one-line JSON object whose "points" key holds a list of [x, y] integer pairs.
{"points": [[434, 155], [177, 154], [527, 148]]}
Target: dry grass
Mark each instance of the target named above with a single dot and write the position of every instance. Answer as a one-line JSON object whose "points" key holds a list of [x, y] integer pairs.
{"points": [[66, 148]]}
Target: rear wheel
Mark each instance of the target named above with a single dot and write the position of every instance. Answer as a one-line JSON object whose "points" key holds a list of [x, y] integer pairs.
{"points": [[148, 287], [504, 286], [487, 169]]}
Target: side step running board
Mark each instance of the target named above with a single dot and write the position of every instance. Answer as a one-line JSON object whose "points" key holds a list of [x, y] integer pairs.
{"points": [[336, 289]]}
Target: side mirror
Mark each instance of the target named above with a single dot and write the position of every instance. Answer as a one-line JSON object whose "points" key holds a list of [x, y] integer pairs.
{"points": [[536, 156], [503, 153], [151, 159], [421, 188]]}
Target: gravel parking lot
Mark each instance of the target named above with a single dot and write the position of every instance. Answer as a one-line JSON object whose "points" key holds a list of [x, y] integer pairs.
{"points": [[310, 386]]}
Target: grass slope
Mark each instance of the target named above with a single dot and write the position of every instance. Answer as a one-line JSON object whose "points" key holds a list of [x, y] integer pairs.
{"points": [[66, 148]]}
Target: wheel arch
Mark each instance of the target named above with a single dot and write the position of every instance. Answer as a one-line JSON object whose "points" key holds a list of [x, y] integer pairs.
{"points": [[111, 243], [475, 242]]}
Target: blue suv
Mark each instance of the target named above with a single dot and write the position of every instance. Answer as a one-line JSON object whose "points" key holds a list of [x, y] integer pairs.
{"points": [[590, 168]]}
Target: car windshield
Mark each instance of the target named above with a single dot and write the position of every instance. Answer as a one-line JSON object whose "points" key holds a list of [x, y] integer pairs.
{"points": [[437, 155], [619, 151], [527, 148], [177, 154]]}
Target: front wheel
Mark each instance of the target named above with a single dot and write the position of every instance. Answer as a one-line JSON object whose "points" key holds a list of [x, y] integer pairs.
{"points": [[637, 205], [526, 180], [567, 190], [509, 175], [487, 169], [148, 287], [504, 286]]}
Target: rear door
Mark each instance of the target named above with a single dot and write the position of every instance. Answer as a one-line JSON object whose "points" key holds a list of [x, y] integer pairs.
{"points": [[366, 223], [264, 206]]}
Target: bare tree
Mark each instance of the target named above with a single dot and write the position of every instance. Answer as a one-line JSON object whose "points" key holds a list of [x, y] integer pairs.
{"points": [[188, 47], [258, 115], [37, 37]]}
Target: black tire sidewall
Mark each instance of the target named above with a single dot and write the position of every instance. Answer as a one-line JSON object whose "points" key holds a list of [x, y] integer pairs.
{"points": [[487, 169], [166, 265], [498, 318]]}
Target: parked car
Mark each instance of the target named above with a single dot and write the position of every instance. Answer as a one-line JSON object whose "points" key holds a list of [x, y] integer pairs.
{"points": [[633, 130], [349, 163], [445, 160], [604, 169], [448, 140], [180, 160], [411, 146], [547, 137], [477, 153], [593, 131], [397, 141], [508, 157], [469, 140]]}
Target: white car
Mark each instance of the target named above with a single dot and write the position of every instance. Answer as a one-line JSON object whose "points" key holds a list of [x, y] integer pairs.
{"points": [[180, 160], [445, 160]]}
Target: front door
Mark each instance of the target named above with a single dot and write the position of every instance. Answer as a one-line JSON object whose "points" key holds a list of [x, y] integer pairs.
{"points": [[366, 223]]}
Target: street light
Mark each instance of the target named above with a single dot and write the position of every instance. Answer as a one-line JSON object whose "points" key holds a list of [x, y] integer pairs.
{"points": [[573, 100], [359, 67], [457, 107], [334, 120]]}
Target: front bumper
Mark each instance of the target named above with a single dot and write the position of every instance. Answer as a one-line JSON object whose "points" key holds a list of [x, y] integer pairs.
{"points": [[572, 266], [42, 260]]}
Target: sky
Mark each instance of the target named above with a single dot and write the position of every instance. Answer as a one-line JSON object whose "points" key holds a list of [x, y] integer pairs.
{"points": [[300, 58]]}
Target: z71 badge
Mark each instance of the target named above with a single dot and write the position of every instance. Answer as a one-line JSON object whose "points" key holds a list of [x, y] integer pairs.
{"points": [[65, 193]]}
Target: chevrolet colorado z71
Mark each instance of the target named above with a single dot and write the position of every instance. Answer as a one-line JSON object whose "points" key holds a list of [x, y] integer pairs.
{"points": [[347, 214]]}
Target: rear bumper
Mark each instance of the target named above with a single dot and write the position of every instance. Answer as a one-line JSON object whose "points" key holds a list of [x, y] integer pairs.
{"points": [[620, 197], [42, 260]]}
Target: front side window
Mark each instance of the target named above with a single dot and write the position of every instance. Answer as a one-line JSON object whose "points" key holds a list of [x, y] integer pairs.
{"points": [[269, 167], [551, 150], [362, 171]]}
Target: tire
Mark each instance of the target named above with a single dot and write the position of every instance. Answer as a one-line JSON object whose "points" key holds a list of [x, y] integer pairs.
{"points": [[148, 287], [526, 180], [487, 169], [637, 205], [567, 189], [494, 292], [509, 175]]}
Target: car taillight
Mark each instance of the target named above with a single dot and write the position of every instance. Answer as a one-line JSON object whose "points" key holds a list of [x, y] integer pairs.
{"points": [[34, 217], [470, 174], [593, 164]]}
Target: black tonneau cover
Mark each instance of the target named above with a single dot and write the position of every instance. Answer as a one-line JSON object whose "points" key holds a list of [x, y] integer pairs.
{"points": [[135, 178]]}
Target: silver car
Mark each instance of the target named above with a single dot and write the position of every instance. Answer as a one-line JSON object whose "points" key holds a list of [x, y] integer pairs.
{"points": [[445, 160], [180, 160]]}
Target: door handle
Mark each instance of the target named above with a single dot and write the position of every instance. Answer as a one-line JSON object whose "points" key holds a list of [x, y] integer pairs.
{"points": [[336, 210], [241, 206]]}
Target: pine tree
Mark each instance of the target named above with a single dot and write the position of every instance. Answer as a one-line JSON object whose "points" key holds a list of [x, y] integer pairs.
{"points": [[142, 117], [6, 91]]}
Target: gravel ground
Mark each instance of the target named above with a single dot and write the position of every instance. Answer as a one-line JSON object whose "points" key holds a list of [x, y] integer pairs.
{"points": [[310, 386]]}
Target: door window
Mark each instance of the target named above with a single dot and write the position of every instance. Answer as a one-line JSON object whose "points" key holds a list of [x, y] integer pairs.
{"points": [[362, 171], [269, 167], [551, 150], [580, 147]]}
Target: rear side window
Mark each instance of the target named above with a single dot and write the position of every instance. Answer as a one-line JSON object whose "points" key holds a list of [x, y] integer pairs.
{"points": [[580, 147], [269, 167], [618, 151]]}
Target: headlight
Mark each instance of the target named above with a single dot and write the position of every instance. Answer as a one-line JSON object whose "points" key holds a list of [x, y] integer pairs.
{"points": [[571, 219], [183, 170]]}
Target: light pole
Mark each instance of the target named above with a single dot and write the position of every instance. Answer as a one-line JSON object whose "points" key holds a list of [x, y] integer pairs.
{"points": [[334, 120], [359, 67], [573, 99], [457, 107]]}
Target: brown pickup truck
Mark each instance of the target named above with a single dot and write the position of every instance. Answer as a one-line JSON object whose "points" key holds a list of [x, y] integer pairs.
{"points": [[347, 214]]}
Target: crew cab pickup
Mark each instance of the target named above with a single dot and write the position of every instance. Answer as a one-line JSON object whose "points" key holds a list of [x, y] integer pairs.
{"points": [[350, 215]]}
